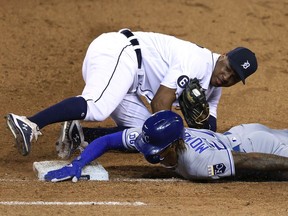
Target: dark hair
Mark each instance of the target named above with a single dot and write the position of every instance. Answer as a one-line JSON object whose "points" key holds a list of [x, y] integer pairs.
{"points": [[180, 146]]}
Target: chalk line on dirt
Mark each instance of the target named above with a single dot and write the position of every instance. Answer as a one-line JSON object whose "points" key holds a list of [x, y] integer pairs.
{"points": [[20, 203]]}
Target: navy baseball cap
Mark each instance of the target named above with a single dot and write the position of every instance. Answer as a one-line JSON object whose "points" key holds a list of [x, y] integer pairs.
{"points": [[243, 61]]}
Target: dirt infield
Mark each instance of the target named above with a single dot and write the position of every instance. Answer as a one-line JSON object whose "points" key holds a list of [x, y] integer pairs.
{"points": [[43, 44]]}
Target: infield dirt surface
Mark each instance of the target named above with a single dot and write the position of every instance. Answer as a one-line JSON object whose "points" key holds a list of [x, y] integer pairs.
{"points": [[43, 44]]}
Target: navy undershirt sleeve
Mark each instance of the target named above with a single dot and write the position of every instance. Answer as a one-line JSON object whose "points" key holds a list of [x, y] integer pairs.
{"points": [[211, 124]]}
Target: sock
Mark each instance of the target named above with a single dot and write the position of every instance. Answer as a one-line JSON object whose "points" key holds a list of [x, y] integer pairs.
{"points": [[74, 108]]}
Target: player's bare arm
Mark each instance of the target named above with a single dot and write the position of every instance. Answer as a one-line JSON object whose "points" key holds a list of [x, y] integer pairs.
{"points": [[163, 99], [259, 161]]}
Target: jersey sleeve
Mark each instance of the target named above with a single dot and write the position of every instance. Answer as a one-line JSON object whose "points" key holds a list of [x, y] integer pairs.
{"points": [[129, 137], [195, 62], [219, 165]]}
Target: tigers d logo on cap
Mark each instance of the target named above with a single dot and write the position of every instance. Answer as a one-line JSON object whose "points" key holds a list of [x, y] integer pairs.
{"points": [[243, 61]]}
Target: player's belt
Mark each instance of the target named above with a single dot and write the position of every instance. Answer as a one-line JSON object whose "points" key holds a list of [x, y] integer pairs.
{"points": [[135, 43]]}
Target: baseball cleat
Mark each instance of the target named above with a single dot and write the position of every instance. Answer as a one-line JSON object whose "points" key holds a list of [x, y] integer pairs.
{"points": [[23, 131], [71, 138]]}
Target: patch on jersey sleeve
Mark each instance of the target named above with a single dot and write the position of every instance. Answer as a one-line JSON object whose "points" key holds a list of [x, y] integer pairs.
{"points": [[182, 81], [216, 169]]}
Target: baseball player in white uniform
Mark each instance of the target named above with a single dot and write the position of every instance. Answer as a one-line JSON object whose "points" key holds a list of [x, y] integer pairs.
{"points": [[119, 67], [192, 153]]}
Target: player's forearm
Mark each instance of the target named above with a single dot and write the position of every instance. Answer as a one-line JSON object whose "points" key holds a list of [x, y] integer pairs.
{"points": [[163, 99], [160, 106], [260, 161], [101, 145]]}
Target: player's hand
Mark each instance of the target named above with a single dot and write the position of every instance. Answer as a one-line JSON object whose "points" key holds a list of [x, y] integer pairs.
{"points": [[70, 171]]}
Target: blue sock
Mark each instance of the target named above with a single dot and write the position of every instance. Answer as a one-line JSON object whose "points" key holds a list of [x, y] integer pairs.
{"points": [[74, 108]]}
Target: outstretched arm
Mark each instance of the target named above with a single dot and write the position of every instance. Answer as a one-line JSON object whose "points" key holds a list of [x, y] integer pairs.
{"points": [[260, 162], [94, 150], [101, 145]]}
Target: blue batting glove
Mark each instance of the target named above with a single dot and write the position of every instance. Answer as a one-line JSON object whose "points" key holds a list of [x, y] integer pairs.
{"points": [[70, 171]]}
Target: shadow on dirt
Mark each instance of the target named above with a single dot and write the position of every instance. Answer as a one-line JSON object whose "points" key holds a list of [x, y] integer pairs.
{"points": [[158, 172]]}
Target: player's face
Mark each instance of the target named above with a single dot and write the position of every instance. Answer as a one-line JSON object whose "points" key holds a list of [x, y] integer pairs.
{"points": [[223, 75], [168, 157]]}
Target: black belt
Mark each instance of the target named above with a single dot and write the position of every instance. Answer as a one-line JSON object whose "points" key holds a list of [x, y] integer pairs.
{"points": [[135, 44]]}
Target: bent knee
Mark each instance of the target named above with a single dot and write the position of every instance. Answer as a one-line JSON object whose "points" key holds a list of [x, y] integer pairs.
{"points": [[96, 113]]}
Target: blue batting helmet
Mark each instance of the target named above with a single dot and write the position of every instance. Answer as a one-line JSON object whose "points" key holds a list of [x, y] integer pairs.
{"points": [[158, 132]]}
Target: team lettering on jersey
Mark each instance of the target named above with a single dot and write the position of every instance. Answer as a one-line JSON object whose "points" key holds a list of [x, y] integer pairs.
{"points": [[200, 144]]}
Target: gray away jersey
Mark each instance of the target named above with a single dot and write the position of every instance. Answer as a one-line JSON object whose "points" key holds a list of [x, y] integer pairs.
{"points": [[206, 156]]}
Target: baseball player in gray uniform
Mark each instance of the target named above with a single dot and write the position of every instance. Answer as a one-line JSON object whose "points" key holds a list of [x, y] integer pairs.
{"points": [[192, 153], [120, 67]]}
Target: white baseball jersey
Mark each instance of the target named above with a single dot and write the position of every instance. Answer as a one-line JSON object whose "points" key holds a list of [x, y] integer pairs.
{"points": [[208, 154], [114, 83]]}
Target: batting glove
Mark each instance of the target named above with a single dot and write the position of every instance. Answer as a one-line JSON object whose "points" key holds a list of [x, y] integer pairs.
{"points": [[70, 171]]}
